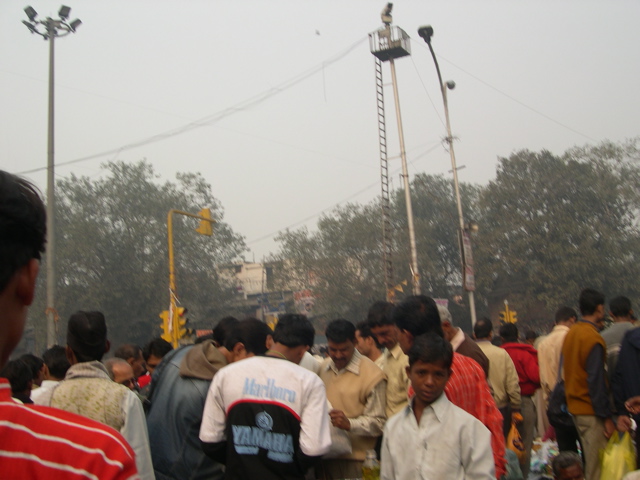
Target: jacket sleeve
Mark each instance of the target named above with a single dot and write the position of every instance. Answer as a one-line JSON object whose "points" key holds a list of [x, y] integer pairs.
{"points": [[598, 391]]}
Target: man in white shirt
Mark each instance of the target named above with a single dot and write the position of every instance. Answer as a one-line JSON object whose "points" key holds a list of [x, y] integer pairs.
{"points": [[56, 366], [431, 437], [267, 417]]}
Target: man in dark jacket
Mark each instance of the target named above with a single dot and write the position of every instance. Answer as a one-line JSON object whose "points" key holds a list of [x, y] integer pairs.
{"points": [[178, 393], [525, 359], [625, 381]]}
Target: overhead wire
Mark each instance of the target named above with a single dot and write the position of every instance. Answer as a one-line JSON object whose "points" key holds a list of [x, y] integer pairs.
{"points": [[216, 117]]}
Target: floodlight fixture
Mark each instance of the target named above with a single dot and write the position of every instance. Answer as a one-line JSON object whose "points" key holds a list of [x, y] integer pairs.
{"points": [[31, 13], [75, 24], [64, 12], [426, 32], [450, 84], [30, 26]]}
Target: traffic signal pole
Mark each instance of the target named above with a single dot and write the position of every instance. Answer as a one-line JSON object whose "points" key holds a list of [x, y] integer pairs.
{"points": [[205, 228]]}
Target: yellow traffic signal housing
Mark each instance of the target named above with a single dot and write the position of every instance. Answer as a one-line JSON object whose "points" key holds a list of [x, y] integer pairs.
{"points": [[205, 227], [513, 316], [166, 333], [181, 322]]}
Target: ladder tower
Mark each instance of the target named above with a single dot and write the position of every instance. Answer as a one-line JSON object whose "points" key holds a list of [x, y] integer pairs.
{"points": [[387, 44]]}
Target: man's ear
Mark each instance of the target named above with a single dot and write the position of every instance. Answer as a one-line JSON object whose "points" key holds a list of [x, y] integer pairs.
{"points": [[26, 286], [70, 355], [239, 351], [107, 346], [269, 342]]}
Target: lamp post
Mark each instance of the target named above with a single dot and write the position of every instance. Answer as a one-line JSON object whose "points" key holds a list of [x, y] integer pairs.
{"points": [[49, 29], [468, 282]]}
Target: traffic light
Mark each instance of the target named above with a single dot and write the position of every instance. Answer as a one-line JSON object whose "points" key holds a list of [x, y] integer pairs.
{"points": [[503, 317], [166, 333], [513, 314], [205, 227], [181, 323]]}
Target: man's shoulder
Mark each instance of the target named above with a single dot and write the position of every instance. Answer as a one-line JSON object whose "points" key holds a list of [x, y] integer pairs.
{"points": [[66, 430]]}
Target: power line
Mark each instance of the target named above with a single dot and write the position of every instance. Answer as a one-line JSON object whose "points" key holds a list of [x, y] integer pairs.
{"points": [[216, 117]]}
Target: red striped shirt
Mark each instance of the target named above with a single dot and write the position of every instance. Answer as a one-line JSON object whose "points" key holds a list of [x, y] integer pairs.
{"points": [[41, 442]]}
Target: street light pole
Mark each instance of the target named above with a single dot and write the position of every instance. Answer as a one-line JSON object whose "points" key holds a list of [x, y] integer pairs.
{"points": [[426, 33], [49, 29]]}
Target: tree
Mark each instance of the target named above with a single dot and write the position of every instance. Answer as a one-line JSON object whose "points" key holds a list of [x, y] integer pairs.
{"points": [[552, 225], [344, 256], [341, 262], [112, 250]]}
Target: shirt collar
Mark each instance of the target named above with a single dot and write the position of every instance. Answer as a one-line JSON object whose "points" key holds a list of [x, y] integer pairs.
{"points": [[439, 407], [395, 352], [457, 339], [353, 366]]}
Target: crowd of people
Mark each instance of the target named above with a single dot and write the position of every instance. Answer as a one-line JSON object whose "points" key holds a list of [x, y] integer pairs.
{"points": [[248, 402]]}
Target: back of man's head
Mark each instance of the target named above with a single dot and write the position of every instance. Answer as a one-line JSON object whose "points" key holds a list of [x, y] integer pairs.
{"points": [[418, 314], [379, 314], [252, 333], [222, 329], [87, 336], [565, 314], [589, 301], [158, 347], [22, 225], [294, 330], [509, 332], [620, 307], [56, 361], [127, 351], [483, 328]]}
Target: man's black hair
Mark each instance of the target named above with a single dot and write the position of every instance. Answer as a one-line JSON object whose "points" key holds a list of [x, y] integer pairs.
{"points": [[34, 363], [565, 460], [158, 347], [364, 328], [294, 330], [380, 314], [87, 335], [620, 306], [431, 348], [483, 328], [418, 314], [56, 361], [252, 333], [127, 351], [565, 313], [23, 225], [222, 329], [340, 331], [509, 332], [19, 375], [589, 301], [531, 335]]}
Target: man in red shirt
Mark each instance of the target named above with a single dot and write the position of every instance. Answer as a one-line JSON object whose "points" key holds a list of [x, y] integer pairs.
{"points": [[40, 442], [525, 359]]}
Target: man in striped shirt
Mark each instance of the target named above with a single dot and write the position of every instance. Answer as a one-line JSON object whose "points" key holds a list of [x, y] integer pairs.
{"points": [[40, 442]]}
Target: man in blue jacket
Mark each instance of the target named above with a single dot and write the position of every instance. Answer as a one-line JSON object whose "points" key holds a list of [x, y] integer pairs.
{"points": [[178, 393]]}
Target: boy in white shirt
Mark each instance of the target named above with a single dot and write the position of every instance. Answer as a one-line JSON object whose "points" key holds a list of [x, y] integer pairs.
{"points": [[431, 438]]}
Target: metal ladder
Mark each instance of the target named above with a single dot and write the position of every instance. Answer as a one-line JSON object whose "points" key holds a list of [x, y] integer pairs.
{"points": [[384, 183]]}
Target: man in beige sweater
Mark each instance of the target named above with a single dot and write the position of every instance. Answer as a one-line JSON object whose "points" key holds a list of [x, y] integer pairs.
{"points": [[356, 390]]}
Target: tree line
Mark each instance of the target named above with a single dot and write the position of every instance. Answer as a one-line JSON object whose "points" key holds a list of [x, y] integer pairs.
{"points": [[549, 226]]}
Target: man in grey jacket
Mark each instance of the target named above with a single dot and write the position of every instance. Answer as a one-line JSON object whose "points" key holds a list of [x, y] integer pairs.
{"points": [[178, 392]]}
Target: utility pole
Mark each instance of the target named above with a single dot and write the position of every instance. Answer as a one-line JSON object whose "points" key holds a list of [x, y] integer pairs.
{"points": [[49, 29]]}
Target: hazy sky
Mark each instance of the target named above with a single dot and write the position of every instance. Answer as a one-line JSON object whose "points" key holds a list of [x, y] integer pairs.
{"points": [[529, 74]]}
